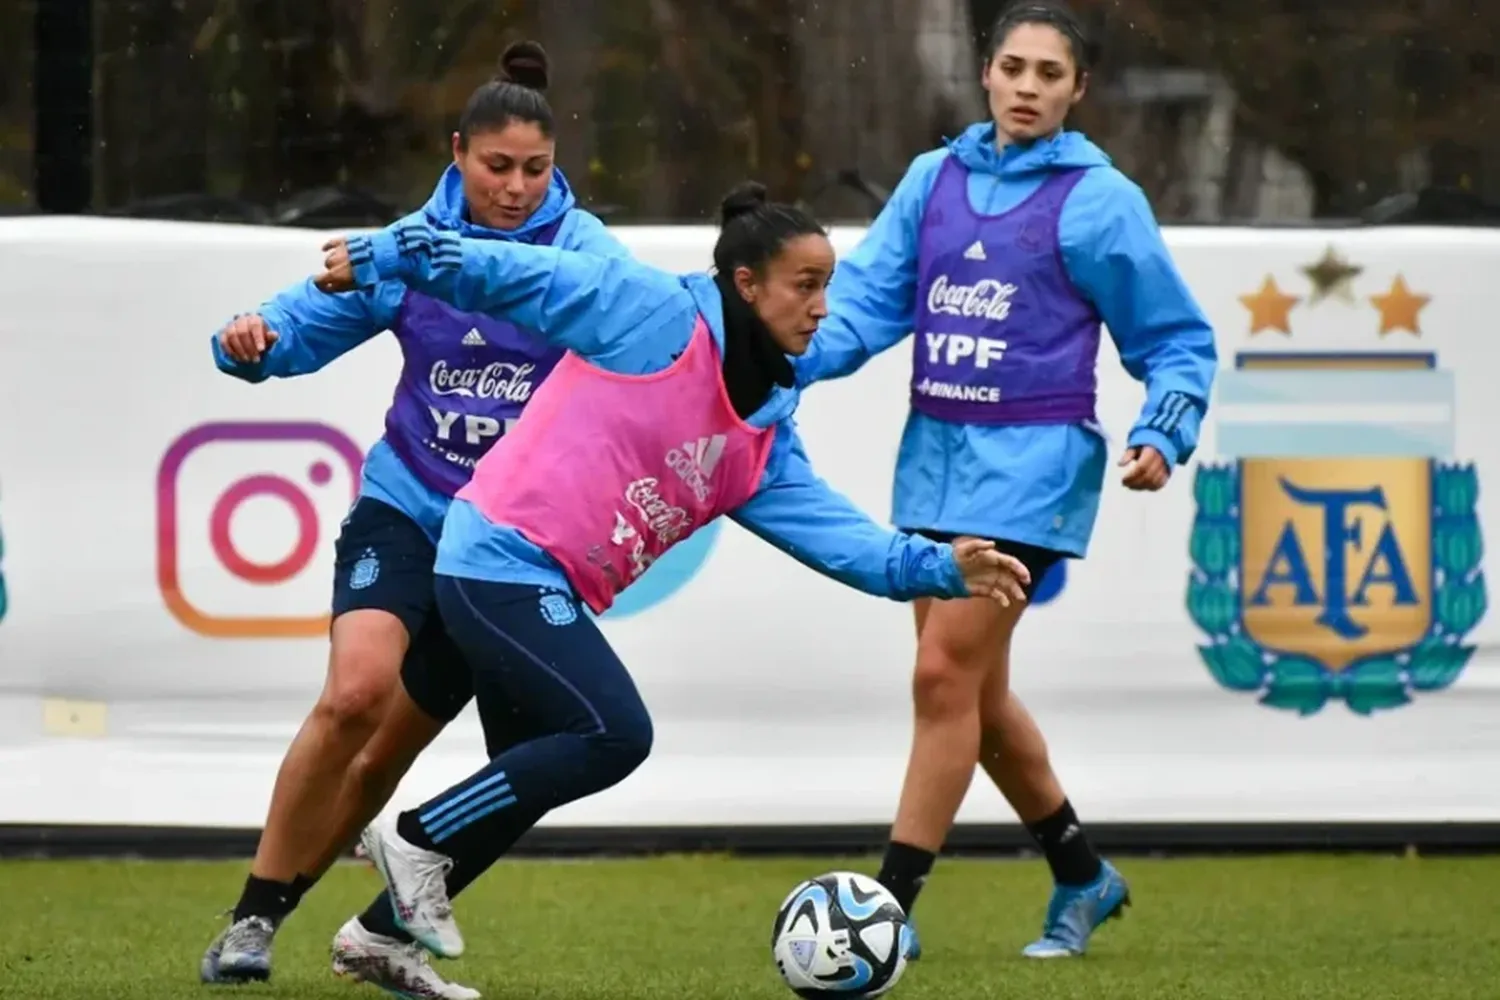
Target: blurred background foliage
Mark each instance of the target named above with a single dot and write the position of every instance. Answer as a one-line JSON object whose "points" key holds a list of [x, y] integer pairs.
{"points": [[1271, 111]]}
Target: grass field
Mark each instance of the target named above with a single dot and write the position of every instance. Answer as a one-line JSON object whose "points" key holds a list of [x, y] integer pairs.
{"points": [[1330, 928]]}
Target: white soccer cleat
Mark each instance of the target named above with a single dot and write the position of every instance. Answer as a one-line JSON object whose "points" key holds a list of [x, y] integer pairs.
{"points": [[416, 880], [395, 966]]}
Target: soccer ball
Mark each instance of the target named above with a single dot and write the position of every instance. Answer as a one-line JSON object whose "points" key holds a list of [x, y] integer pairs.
{"points": [[840, 933]]}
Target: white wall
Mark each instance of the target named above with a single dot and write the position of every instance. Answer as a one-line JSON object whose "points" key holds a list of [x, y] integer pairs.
{"points": [[104, 363]]}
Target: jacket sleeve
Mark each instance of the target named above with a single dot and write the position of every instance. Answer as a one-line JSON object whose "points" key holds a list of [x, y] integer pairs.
{"points": [[872, 298], [313, 329], [582, 302], [807, 519], [1115, 254]]}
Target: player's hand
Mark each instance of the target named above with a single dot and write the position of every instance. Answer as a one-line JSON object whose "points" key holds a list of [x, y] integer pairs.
{"points": [[338, 273], [991, 573], [246, 338], [1145, 469]]}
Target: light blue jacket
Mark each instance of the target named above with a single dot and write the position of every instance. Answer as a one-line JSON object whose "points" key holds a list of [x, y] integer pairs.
{"points": [[1034, 484], [631, 319], [314, 327]]}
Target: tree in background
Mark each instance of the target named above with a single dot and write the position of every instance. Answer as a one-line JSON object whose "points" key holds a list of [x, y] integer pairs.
{"points": [[1368, 98], [1214, 106]]}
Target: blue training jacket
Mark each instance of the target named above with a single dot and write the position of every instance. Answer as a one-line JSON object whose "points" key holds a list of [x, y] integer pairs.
{"points": [[314, 327], [1034, 484], [631, 319]]}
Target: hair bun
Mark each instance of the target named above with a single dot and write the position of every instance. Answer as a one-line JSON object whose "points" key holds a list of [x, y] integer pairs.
{"points": [[744, 199], [525, 64]]}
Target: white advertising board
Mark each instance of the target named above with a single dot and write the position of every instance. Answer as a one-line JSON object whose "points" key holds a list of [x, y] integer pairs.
{"points": [[1293, 630]]}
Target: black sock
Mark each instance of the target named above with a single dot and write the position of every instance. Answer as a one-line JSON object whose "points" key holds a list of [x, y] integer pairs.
{"points": [[410, 829], [1071, 857], [300, 886], [380, 918], [904, 871], [262, 897]]}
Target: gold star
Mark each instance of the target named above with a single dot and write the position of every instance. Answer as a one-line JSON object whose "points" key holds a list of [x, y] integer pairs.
{"points": [[1399, 307], [1331, 276], [1270, 308]]}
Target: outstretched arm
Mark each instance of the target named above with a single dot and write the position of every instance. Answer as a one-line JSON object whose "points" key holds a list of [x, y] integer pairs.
{"points": [[813, 523], [583, 302]]}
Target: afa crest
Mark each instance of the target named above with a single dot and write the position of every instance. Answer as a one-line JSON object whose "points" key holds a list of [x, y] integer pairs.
{"points": [[366, 570], [557, 609], [1336, 552]]}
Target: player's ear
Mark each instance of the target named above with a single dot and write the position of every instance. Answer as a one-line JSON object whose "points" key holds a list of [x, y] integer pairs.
{"points": [[746, 284]]}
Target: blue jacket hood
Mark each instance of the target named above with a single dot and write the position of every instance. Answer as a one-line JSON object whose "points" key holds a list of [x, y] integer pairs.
{"points": [[447, 209], [975, 149]]}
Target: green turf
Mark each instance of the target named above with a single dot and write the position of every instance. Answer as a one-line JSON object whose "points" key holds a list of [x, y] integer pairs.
{"points": [[1260, 929]]}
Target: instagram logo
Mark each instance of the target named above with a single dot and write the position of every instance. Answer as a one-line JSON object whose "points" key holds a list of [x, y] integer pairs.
{"points": [[242, 511]]}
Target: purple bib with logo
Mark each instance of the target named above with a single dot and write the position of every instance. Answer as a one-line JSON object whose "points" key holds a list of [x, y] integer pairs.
{"points": [[1002, 336], [466, 378]]}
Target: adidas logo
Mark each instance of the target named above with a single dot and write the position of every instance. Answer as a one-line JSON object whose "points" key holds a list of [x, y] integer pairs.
{"points": [[695, 462], [706, 452], [975, 251], [474, 338]]}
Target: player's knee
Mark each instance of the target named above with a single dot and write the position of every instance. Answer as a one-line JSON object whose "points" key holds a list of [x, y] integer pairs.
{"points": [[363, 668], [944, 685], [626, 741], [357, 692]]}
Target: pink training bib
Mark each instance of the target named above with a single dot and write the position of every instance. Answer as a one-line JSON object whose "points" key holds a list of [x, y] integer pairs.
{"points": [[607, 472]]}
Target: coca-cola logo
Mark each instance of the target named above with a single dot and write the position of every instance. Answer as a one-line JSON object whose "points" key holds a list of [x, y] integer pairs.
{"points": [[666, 521], [987, 298], [502, 381]]}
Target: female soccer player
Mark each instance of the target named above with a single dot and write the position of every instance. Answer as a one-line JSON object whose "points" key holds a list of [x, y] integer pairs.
{"points": [[466, 378], [672, 408], [1003, 253]]}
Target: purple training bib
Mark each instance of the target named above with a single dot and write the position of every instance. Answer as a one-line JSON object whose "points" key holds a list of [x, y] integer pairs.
{"points": [[1002, 336]]}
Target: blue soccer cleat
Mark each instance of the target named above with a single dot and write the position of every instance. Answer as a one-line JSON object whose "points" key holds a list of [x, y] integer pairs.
{"points": [[1077, 911]]}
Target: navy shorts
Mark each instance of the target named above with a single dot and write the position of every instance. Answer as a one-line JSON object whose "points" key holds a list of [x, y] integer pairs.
{"points": [[384, 562], [1037, 559]]}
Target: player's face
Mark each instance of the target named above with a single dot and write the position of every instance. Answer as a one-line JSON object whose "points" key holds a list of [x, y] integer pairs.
{"points": [[1033, 82], [791, 294], [507, 172]]}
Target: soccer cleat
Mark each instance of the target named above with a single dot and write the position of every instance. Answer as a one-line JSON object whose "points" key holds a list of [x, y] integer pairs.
{"points": [[1077, 911], [398, 967], [416, 879], [241, 953]]}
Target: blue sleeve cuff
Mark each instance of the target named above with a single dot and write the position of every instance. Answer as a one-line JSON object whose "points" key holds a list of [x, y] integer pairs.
{"points": [[375, 258], [953, 577], [1146, 437], [246, 372]]}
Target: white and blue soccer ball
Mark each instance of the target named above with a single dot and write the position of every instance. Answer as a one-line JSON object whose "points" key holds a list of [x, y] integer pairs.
{"points": [[840, 934]]}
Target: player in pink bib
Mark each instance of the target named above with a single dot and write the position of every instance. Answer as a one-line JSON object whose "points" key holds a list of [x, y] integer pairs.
{"points": [[672, 407]]}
